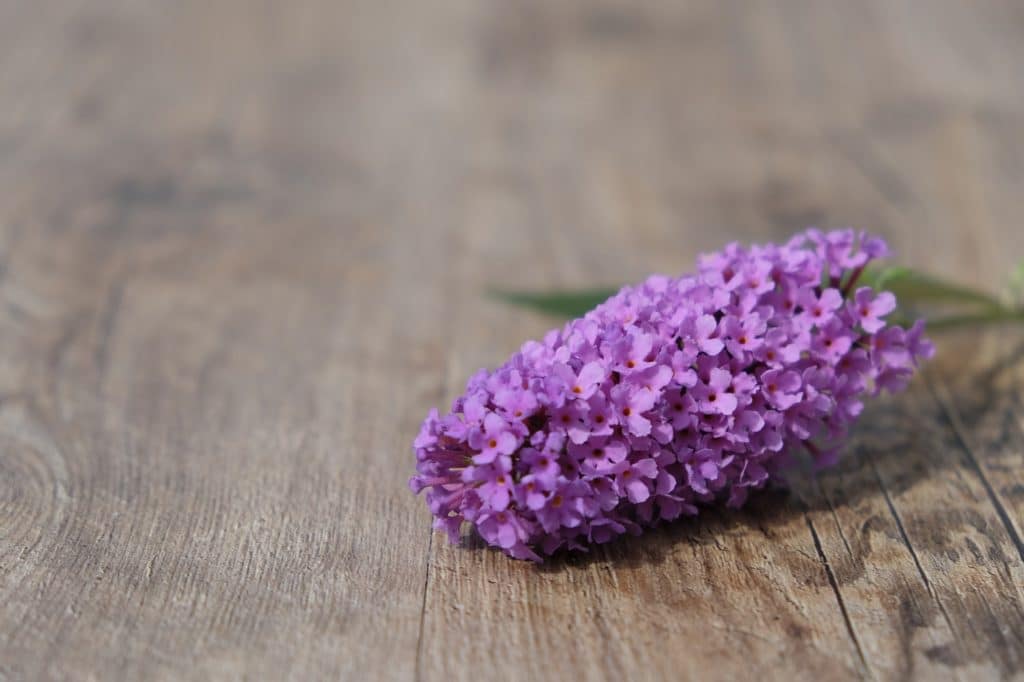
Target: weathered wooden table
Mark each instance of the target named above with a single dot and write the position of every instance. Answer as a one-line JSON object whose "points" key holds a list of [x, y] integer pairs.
{"points": [[243, 252]]}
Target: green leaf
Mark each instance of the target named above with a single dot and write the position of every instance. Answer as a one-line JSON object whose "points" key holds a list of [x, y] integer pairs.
{"points": [[911, 286], [560, 303], [1015, 287], [993, 316], [880, 278]]}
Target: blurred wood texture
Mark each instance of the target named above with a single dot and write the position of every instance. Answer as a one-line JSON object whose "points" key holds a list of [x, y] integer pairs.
{"points": [[242, 252]]}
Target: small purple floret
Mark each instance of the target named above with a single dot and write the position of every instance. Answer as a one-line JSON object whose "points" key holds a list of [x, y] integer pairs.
{"points": [[671, 394]]}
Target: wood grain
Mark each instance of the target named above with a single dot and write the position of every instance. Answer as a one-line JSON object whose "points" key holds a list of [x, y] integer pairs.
{"points": [[242, 251]]}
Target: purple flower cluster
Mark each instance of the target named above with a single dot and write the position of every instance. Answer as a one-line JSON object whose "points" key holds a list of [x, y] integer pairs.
{"points": [[670, 394]]}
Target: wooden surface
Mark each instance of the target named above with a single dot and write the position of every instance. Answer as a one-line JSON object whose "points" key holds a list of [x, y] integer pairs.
{"points": [[242, 248]]}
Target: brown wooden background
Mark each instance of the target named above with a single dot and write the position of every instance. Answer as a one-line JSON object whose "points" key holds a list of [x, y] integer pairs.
{"points": [[242, 249]]}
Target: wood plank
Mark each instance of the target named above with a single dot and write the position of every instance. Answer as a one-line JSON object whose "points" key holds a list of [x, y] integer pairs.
{"points": [[243, 249]]}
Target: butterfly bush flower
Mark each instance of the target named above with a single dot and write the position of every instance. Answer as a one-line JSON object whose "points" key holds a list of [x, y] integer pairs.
{"points": [[672, 394]]}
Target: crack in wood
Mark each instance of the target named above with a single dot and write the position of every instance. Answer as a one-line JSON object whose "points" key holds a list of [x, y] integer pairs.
{"points": [[865, 668], [953, 420], [910, 547]]}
